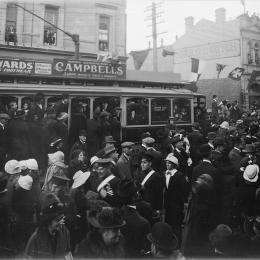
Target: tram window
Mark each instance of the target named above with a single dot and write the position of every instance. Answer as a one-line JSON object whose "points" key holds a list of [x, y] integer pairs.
{"points": [[137, 111], [160, 110], [108, 104], [8, 104], [181, 110], [80, 106]]}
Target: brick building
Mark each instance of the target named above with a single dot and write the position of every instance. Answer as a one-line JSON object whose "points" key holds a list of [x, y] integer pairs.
{"points": [[233, 43]]}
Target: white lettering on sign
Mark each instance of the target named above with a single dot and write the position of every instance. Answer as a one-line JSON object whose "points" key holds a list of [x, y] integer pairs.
{"points": [[210, 51], [42, 68]]}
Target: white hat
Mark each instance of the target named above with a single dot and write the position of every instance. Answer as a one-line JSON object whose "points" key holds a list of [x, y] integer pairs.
{"points": [[25, 182], [57, 158], [22, 164], [224, 125], [172, 158], [79, 179], [93, 159], [12, 167], [251, 173], [32, 164], [62, 116]]}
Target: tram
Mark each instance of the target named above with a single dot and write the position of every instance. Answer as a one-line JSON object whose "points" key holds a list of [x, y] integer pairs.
{"points": [[138, 107]]}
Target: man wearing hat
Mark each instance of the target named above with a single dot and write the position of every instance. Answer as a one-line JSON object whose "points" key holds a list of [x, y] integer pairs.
{"points": [[62, 104], [235, 155], [81, 143], [51, 239], [124, 163], [109, 140], [4, 118], [218, 153], [163, 241], [105, 240], [210, 137], [136, 227], [152, 184], [36, 110], [174, 195]]}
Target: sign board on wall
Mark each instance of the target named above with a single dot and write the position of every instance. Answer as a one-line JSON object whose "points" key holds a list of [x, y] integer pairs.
{"points": [[63, 68], [210, 51]]}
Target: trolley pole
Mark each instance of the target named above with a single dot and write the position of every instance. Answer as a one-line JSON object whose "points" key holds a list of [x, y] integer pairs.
{"points": [[74, 37]]}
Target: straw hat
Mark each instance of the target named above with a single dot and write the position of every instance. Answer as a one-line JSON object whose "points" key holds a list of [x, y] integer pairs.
{"points": [[12, 167], [251, 173], [79, 179], [171, 158], [25, 182]]}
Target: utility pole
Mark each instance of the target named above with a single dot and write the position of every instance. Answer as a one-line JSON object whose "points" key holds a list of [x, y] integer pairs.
{"points": [[74, 37], [155, 14]]}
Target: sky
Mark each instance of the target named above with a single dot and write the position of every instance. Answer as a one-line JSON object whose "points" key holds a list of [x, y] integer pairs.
{"points": [[173, 15]]}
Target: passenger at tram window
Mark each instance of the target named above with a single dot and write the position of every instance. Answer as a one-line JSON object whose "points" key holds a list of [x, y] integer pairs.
{"points": [[116, 124], [36, 112], [184, 114], [62, 105], [12, 108], [104, 107], [26, 107]]}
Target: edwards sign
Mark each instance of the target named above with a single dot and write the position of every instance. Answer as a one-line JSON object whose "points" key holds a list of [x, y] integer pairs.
{"points": [[88, 69]]}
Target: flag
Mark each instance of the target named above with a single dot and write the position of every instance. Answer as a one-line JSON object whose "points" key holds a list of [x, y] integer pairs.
{"points": [[219, 68], [236, 73], [243, 2], [195, 65]]}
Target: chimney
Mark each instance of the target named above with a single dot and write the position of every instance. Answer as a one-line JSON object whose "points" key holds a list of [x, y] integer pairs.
{"points": [[189, 23], [220, 15]]}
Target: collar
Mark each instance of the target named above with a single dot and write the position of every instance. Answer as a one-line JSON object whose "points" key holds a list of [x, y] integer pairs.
{"points": [[131, 206], [144, 146], [172, 172], [126, 156], [211, 145], [177, 150], [206, 160]]}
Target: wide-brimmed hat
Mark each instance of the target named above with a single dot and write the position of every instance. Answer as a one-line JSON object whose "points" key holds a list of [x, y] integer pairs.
{"points": [[211, 135], [108, 217], [162, 236], [55, 142], [108, 150], [57, 158], [250, 148], [79, 179], [220, 235], [127, 188], [32, 164], [12, 167], [62, 116], [25, 182], [251, 173], [51, 207], [224, 125], [109, 139], [127, 144], [93, 160], [171, 158]]}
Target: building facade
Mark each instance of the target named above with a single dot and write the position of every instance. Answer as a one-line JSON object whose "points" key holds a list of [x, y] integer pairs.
{"points": [[232, 43]]}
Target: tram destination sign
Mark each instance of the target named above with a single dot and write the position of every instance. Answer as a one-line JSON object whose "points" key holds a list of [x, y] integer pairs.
{"points": [[88, 69]]}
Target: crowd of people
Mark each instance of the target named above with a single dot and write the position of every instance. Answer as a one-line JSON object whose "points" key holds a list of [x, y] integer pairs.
{"points": [[178, 194]]}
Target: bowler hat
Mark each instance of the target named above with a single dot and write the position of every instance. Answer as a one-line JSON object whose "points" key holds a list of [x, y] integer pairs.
{"points": [[82, 132], [148, 140], [109, 139], [220, 235], [107, 218], [162, 236]]}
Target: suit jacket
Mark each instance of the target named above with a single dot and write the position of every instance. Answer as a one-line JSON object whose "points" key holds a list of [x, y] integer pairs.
{"points": [[235, 158], [182, 158], [196, 139], [152, 190], [124, 168], [135, 232]]}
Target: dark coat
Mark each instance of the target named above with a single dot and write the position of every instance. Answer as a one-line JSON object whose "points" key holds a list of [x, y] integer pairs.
{"points": [[196, 139], [3, 146], [94, 247], [61, 107], [235, 113], [135, 232], [152, 191], [93, 136], [138, 152], [35, 110], [235, 157], [124, 169], [157, 162], [182, 158], [39, 244], [174, 198]]}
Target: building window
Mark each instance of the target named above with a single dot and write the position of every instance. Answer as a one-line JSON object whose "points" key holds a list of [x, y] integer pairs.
{"points": [[257, 61], [103, 33], [50, 33], [10, 29], [250, 54]]}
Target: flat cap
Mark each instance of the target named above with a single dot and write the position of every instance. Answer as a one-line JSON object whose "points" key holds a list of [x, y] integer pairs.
{"points": [[148, 140], [127, 144]]}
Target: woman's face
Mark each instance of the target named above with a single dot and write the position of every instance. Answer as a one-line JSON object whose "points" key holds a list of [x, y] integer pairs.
{"points": [[81, 157]]}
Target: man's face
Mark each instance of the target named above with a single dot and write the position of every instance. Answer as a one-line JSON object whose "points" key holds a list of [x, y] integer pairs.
{"points": [[56, 223], [114, 156], [169, 165], [82, 139], [128, 150], [65, 101], [111, 236], [179, 144], [145, 165]]}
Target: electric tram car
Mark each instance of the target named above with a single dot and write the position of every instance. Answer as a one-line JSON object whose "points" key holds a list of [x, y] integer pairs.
{"points": [[139, 107]]}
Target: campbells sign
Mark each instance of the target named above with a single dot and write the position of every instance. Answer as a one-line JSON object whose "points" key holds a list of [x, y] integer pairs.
{"points": [[88, 69]]}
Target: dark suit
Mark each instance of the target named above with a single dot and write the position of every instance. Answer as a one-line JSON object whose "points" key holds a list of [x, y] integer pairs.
{"points": [[196, 140], [93, 136], [182, 158], [135, 232], [157, 163], [152, 190], [124, 168], [235, 158], [174, 197]]}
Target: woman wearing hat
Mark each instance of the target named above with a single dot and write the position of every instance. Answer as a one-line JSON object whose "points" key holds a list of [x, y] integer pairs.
{"points": [[105, 240], [51, 239]]}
